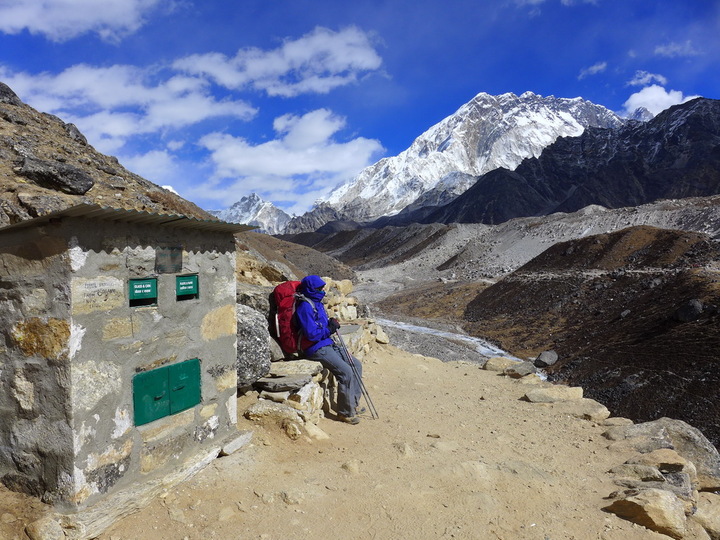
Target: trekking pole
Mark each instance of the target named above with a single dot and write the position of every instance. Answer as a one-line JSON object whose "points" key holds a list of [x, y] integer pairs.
{"points": [[363, 389]]}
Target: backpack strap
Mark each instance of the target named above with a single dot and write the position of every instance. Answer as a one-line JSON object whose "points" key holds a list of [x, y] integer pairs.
{"points": [[303, 298], [299, 297]]}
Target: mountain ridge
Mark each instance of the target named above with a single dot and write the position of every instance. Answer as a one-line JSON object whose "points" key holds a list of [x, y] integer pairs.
{"points": [[483, 134], [674, 155]]}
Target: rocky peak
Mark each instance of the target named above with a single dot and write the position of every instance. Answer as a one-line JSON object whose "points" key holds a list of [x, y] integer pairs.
{"points": [[641, 114], [253, 210]]}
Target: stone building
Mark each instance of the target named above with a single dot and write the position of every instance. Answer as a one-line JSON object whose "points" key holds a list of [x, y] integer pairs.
{"points": [[118, 357]]}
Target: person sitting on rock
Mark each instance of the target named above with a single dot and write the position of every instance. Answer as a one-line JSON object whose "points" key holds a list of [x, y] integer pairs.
{"points": [[316, 344]]}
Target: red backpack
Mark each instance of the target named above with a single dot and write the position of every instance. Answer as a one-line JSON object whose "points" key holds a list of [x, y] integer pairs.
{"points": [[284, 311]]}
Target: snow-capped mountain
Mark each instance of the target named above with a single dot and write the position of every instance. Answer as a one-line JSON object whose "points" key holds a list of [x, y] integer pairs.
{"points": [[484, 134], [673, 156], [252, 210]]}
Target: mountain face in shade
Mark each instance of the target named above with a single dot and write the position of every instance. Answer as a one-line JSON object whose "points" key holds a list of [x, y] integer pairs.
{"points": [[674, 155]]}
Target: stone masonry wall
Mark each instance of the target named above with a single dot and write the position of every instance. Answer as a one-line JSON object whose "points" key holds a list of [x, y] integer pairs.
{"points": [[35, 435], [95, 348]]}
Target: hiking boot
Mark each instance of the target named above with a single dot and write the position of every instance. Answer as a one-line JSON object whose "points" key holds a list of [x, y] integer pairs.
{"points": [[348, 419], [360, 410]]}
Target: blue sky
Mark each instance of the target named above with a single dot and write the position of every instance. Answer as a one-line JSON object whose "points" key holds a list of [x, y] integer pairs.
{"points": [[288, 98]]}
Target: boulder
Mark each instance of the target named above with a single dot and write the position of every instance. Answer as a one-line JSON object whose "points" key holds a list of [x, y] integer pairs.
{"points": [[277, 397], [688, 441], [551, 394], [708, 514], [589, 409], [380, 336], [8, 96], [499, 363], [254, 296], [289, 383], [638, 444], [74, 133], [642, 473], [276, 352], [235, 444], [664, 459], [656, 509], [267, 412], [689, 311], [295, 367], [309, 401], [346, 312], [345, 286], [56, 175], [545, 359], [45, 528], [617, 421], [520, 369], [253, 345]]}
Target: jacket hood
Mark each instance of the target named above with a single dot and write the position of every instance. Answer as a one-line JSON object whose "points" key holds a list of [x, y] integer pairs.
{"points": [[311, 286]]}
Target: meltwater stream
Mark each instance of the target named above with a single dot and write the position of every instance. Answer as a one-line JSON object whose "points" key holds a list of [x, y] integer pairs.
{"points": [[439, 343]]}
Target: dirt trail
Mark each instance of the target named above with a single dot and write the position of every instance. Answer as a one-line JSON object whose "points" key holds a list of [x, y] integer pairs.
{"points": [[455, 454]]}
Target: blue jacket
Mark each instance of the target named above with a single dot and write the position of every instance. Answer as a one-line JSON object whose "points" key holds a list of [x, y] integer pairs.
{"points": [[312, 319]]}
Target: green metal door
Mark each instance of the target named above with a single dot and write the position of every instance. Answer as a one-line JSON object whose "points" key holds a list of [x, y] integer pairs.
{"points": [[184, 385], [151, 395]]}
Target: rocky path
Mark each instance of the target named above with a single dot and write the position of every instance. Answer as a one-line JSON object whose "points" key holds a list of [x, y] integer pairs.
{"points": [[455, 454]]}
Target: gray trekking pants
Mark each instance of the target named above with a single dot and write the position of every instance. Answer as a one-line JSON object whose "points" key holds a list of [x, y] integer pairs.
{"points": [[349, 390]]}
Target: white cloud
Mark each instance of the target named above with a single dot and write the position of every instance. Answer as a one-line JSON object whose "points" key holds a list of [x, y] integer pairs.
{"points": [[309, 130], [317, 62], [60, 20], [675, 50], [175, 145], [157, 166], [112, 104], [655, 99], [593, 70], [303, 159], [643, 78]]}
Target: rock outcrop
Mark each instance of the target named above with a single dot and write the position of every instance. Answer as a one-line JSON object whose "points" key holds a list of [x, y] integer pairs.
{"points": [[47, 165], [663, 480]]}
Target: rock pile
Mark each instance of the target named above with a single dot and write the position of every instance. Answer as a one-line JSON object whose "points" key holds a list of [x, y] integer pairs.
{"points": [[671, 481]]}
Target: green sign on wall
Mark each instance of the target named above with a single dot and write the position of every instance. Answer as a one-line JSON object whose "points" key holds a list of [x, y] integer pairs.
{"points": [[185, 285], [143, 289]]}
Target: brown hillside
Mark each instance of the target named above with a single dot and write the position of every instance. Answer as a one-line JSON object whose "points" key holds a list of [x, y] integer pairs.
{"points": [[47, 165], [612, 307], [300, 259]]}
